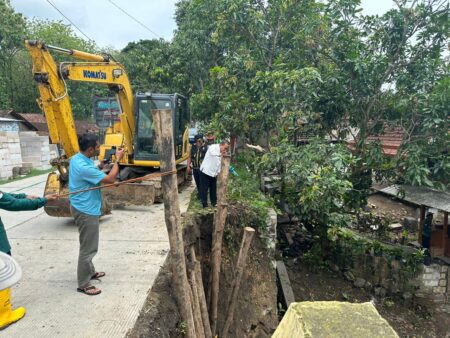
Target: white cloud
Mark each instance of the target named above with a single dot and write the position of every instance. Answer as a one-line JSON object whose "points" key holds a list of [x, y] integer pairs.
{"points": [[105, 23]]}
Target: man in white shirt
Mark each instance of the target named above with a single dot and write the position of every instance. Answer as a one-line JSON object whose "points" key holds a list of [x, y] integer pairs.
{"points": [[209, 170]]}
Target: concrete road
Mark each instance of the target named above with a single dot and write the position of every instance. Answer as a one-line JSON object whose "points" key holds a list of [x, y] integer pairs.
{"points": [[133, 246]]}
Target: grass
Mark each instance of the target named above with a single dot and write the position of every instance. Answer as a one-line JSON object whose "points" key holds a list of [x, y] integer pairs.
{"points": [[33, 172]]}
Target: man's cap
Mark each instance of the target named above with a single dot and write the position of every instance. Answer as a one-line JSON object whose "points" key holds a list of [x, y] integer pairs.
{"points": [[198, 136], [10, 271]]}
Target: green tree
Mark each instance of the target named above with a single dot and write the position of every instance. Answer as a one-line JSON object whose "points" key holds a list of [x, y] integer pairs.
{"points": [[12, 29], [59, 34]]}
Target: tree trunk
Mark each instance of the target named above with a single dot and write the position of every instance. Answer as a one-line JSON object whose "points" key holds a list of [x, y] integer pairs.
{"points": [[162, 119], [201, 293], [195, 305], [235, 286], [219, 224]]}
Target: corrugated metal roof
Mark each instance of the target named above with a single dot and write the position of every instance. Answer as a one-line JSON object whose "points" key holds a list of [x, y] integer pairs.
{"points": [[420, 196], [4, 119]]}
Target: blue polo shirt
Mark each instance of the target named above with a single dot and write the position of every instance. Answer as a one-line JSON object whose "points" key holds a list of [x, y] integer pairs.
{"points": [[83, 174]]}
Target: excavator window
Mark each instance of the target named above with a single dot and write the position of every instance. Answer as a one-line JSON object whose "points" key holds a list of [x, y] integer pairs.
{"points": [[145, 139]]}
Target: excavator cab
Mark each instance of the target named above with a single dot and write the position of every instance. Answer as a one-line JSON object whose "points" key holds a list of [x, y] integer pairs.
{"points": [[145, 148]]}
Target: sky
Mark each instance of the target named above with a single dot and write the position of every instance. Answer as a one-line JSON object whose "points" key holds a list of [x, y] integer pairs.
{"points": [[107, 25]]}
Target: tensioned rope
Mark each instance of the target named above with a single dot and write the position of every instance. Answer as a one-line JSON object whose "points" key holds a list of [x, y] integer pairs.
{"points": [[137, 179]]}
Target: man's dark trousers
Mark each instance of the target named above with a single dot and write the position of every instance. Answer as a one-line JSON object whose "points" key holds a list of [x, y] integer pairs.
{"points": [[208, 183], [196, 173]]}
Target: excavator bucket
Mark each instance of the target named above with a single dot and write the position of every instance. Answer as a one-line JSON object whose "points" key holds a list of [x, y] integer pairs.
{"points": [[142, 194]]}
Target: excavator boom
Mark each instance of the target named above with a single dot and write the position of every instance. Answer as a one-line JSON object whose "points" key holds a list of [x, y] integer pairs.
{"points": [[55, 102], [141, 156]]}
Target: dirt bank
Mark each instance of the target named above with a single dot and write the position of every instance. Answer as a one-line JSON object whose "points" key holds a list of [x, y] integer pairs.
{"points": [[256, 311]]}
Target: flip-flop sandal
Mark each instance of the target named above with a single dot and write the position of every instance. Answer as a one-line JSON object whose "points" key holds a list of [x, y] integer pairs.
{"points": [[90, 287], [98, 275]]}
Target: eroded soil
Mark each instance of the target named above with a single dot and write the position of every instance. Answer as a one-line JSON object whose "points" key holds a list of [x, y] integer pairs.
{"points": [[408, 320]]}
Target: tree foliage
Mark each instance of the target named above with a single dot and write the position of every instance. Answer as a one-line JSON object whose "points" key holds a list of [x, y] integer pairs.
{"points": [[276, 69]]}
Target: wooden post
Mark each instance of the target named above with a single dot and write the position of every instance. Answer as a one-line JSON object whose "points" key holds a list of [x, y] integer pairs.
{"points": [[195, 305], [201, 293], [162, 119], [421, 222], [235, 286], [445, 234], [216, 254]]}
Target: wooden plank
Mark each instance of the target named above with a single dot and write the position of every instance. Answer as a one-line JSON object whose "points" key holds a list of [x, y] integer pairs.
{"points": [[286, 288], [421, 221], [445, 234]]}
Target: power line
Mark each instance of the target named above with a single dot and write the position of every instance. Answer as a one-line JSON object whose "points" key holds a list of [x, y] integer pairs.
{"points": [[132, 17], [54, 6]]}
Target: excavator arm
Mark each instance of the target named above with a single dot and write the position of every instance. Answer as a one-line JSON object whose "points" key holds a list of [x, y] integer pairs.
{"points": [[142, 154], [55, 102]]}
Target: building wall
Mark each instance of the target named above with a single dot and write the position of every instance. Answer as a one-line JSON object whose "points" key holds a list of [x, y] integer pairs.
{"points": [[9, 126], [35, 150], [10, 153]]}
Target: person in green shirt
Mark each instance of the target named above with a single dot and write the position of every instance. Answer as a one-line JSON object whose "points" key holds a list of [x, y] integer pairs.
{"points": [[18, 202]]}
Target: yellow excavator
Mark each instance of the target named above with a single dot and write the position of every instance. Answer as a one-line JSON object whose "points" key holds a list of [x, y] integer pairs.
{"points": [[134, 131]]}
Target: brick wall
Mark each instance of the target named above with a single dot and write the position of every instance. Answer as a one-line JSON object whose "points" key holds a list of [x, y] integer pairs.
{"points": [[433, 282]]}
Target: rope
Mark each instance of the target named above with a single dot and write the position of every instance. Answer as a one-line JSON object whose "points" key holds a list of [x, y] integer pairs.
{"points": [[138, 179]]}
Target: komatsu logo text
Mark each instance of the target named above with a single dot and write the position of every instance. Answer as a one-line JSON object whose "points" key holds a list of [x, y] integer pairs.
{"points": [[94, 75]]}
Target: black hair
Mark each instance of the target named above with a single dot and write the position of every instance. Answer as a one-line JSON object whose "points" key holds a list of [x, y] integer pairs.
{"points": [[87, 140]]}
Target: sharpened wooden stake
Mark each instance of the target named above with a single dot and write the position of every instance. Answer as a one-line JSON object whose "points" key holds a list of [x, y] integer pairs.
{"points": [[216, 254], [162, 119], [235, 286], [201, 293]]}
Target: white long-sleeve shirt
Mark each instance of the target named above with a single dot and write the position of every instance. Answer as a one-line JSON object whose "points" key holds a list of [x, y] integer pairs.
{"points": [[212, 161]]}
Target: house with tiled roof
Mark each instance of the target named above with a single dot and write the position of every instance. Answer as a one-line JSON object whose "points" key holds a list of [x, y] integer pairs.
{"points": [[38, 123], [390, 139]]}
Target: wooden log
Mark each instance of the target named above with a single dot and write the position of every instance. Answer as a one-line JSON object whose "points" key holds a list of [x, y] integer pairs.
{"points": [[445, 234], [216, 254], [236, 284], [195, 305], [162, 119], [201, 293]]}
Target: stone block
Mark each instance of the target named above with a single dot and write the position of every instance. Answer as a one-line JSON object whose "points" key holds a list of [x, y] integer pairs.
{"points": [[430, 276], [443, 276], [443, 282], [431, 283], [439, 289], [444, 268], [333, 319], [432, 268], [359, 283], [395, 227]]}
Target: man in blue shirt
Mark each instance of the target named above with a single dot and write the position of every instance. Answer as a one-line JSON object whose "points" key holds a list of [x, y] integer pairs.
{"points": [[86, 206]]}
